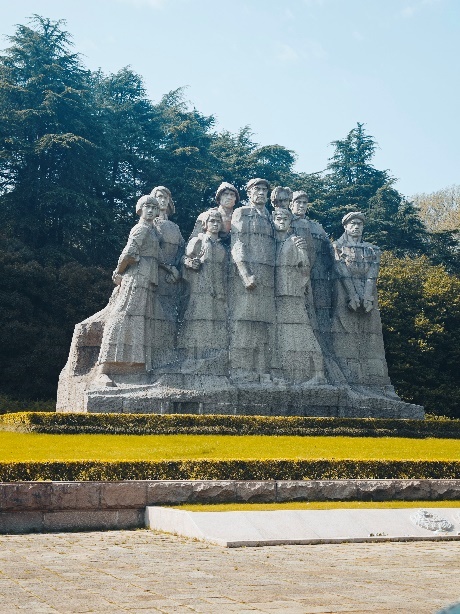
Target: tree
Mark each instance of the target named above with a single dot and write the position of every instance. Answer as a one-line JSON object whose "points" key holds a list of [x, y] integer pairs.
{"points": [[352, 183], [420, 307], [48, 139], [440, 210]]}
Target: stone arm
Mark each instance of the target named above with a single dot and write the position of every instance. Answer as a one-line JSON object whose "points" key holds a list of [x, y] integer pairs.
{"points": [[191, 258], [343, 273], [130, 253], [239, 255], [371, 281], [303, 260]]}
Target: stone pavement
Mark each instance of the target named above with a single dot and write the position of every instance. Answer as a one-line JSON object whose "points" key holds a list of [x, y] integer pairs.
{"points": [[140, 571]]}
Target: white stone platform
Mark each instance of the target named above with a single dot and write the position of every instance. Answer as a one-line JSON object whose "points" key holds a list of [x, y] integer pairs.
{"points": [[281, 527]]}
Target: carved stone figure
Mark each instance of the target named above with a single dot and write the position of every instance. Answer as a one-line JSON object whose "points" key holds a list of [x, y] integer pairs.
{"points": [[253, 304], [299, 354], [251, 330], [169, 286], [127, 340], [203, 335], [227, 196], [281, 197], [356, 327]]}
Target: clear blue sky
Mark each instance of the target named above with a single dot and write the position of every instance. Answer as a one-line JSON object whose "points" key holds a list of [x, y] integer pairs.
{"points": [[300, 73]]}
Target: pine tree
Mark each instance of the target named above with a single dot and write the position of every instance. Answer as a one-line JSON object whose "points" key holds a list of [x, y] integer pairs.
{"points": [[48, 138]]}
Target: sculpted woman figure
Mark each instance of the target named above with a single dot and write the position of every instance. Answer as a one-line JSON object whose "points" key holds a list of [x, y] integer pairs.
{"points": [[169, 286], [127, 338], [298, 351], [203, 335]]}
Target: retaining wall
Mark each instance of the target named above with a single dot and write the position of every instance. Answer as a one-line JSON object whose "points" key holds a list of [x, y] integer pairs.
{"points": [[79, 506]]}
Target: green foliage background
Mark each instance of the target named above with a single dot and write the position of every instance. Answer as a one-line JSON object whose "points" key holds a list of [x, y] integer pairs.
{"points": [[78, 148]]}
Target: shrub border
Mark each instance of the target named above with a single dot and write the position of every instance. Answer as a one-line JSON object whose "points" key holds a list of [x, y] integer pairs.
{"points": [[280, 469], [182, 424]]}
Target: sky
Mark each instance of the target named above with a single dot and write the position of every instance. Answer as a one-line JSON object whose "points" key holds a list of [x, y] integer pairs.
{"points": [[300, 73]]}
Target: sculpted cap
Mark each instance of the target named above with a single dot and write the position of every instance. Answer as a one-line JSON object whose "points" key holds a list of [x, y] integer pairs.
{"points": [[298, 194], [353, 215], [227, 186], [252, 182]]}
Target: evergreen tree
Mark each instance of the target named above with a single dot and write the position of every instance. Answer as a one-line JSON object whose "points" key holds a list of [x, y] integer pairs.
{"points": [[352, 183], [48, 139]]}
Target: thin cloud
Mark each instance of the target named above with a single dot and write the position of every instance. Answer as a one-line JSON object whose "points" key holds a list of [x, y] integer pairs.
{"points": [[286, 53]]}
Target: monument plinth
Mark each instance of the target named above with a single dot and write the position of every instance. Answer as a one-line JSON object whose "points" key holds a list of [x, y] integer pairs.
{"points": [[259, 313]]}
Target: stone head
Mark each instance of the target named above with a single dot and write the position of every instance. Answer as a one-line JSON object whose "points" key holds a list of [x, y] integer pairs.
{"points": [[353, 224], [212, 220], [163, 195], [148, 207], [227, 196], [282, 219], [281, 197], [257, 190], [299, 203]]}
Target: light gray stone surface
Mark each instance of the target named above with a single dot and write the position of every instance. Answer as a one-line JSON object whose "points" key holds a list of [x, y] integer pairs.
{"points": [[141, 571], [271, 528], [48, 506], [261, 315]]}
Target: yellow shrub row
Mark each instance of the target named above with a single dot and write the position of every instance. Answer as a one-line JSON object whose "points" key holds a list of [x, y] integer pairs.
{"points": [[279, 469]]}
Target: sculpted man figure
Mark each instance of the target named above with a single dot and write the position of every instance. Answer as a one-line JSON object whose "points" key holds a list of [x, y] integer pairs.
{"points": [[127, 339], [281, 197], [227, 196], [252, 306], [356, 326], [298, 351], [203, 334]]}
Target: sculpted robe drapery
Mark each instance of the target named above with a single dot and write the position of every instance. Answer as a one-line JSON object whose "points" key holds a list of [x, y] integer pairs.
{"points": [[298, 351], [127, 336], [203, 334], [252, 310], [357, 335]]}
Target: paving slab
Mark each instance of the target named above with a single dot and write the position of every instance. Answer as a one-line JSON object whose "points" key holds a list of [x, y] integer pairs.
{"points": [[303, 527]]}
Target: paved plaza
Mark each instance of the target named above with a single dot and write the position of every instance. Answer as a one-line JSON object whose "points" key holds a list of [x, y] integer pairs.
{"points": [[140, 571]]}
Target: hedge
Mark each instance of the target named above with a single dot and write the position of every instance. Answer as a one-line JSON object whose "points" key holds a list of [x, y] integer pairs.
{"points": [[183, 424], [279, 469]]}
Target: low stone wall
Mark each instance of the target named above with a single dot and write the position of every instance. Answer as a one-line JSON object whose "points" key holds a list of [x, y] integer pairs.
{"points": [[74, 506]]}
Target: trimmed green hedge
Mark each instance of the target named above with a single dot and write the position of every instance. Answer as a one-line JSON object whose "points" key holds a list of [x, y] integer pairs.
{"points": [[323, 469], [183, 424]]}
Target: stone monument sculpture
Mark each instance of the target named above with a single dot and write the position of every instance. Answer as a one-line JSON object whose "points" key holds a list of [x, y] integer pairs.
{"points": [[281, 197], [203, 334], [169, 284], [258, 314], [227, 196], [127, 339], [356, 326], [299, 354], [253, 281]]}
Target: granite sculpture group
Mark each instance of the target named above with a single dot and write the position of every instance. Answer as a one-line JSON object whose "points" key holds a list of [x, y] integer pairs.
{"points": [[258, 313]]}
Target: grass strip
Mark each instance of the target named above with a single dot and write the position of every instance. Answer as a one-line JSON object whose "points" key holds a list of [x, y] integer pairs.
{"points": [[45, 447], [312, 505], [51, 422]]}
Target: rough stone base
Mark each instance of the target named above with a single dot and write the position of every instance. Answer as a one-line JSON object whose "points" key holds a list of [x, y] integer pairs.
{"points": [[321, 401]]}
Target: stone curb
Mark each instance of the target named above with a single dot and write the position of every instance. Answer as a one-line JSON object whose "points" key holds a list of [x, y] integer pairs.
{"points": [[61, 506]]}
